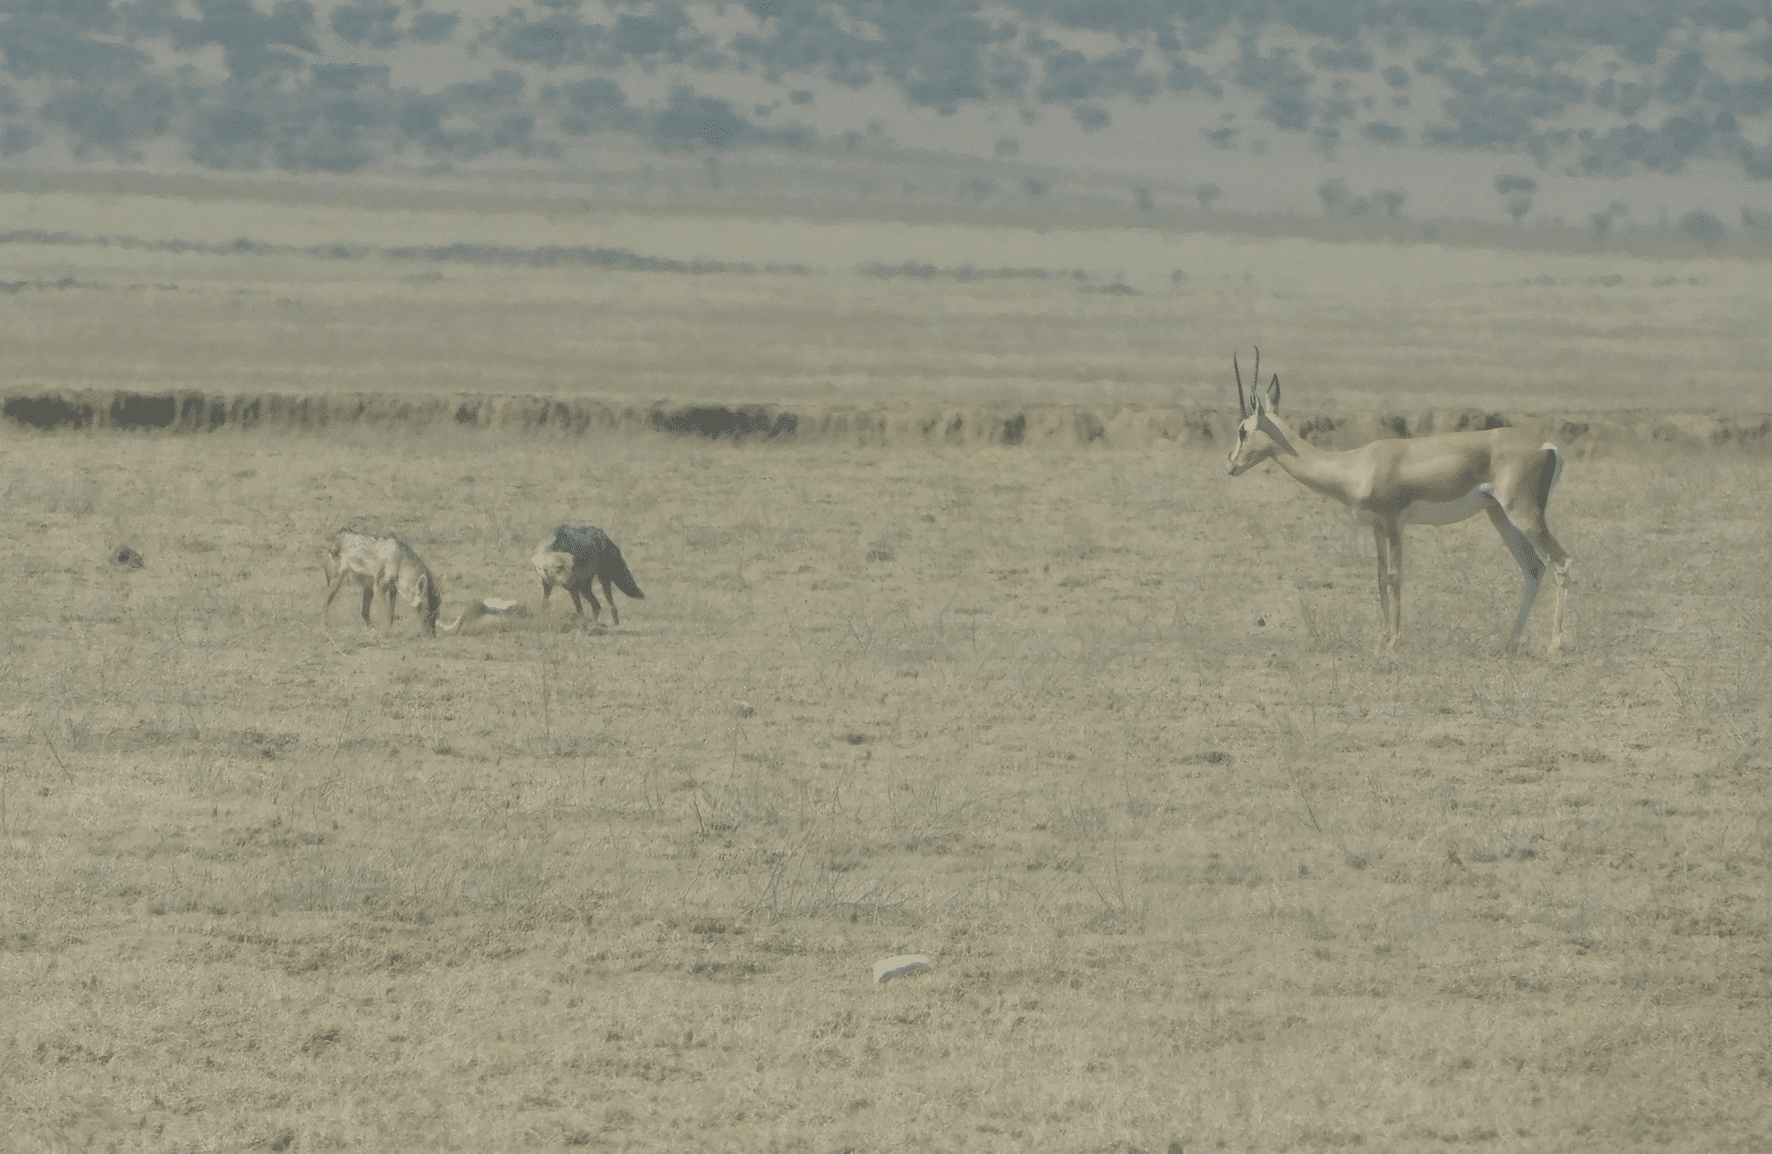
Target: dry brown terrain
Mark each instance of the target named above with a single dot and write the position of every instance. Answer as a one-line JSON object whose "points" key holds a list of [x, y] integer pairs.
{"points": [[1096, 727]]}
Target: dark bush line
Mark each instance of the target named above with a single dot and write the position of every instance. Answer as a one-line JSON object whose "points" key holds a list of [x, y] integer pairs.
{"points": [[189, 413], [194, 413], [240, 246], [558, 256], [1201, 427], [18, 286], [963, 273], [716, 421], [47, 413], [541, 256]]}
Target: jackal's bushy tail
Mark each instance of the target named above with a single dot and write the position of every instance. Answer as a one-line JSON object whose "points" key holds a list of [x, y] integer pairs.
{"points": [[621, 577]]}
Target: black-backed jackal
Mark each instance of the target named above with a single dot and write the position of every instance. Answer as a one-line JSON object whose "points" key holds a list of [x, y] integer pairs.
{"points": [[382, 565], [573, 556]]}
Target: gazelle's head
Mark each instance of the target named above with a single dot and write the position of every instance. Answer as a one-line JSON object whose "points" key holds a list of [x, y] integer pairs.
{"points": [[1256, 432]]}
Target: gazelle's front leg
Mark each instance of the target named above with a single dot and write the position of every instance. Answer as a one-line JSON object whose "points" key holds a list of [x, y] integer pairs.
{"points": [[1389, 539], [1396, 622], [1382, 542]]}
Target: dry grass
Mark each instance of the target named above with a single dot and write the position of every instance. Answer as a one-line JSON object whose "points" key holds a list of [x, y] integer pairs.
{"points": [[1099, 729], [1194, 866]]}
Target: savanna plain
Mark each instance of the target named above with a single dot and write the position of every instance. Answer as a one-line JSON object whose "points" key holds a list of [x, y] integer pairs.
{"points": [[1095, 727]]}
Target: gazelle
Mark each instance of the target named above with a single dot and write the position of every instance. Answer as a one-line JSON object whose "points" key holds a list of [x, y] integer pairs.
{"points": [[1507, 473], [480, 609]]}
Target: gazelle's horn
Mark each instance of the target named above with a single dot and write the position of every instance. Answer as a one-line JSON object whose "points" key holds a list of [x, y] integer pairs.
{"points": [[1255, 393], [1242, 402]]}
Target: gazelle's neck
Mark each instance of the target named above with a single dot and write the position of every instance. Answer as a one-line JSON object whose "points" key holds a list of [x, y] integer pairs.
{"points": [[1314, 468]]}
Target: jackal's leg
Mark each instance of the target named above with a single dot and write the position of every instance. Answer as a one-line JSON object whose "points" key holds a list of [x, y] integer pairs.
{"points": [[337, 583], [614, 613]]}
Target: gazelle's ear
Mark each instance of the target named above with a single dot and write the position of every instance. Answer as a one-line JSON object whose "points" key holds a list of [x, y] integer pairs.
{"points": [[1273, 395]]}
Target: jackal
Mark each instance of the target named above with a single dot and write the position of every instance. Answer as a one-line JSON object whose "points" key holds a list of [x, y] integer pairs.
{"points": [[573, 556], [384, 565]]}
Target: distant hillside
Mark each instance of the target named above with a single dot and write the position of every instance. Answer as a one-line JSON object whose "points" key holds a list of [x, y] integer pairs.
{"points": [[1592, 90]]}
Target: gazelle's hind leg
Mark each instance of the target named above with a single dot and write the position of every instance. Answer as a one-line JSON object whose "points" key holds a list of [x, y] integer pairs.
{"points": [[1535, 527], [1517, 510], [1531, 568], [1533, 547], [1528, 517], [1560, 561], [1562, 572]]}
